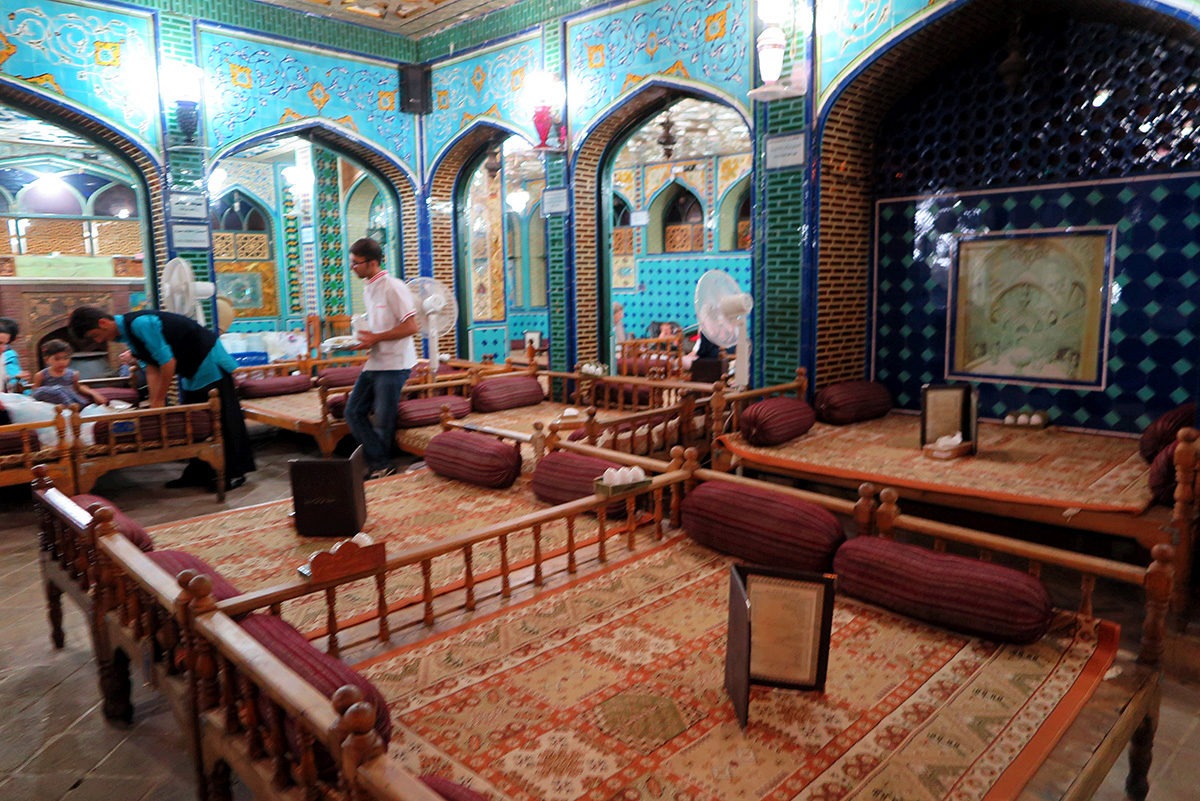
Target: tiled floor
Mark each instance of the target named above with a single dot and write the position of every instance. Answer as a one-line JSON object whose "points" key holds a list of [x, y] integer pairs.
{"points": [[55, 744]]}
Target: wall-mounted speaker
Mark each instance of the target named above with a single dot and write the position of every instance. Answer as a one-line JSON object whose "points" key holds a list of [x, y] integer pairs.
{"points": [[415, 91]]}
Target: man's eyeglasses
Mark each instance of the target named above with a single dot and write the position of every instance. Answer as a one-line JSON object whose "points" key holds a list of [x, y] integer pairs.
{"points": [[357, 262]]}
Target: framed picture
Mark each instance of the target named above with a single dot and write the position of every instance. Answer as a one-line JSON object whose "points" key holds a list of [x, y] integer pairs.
{"points": [[780, 623], [1031, 307], [250, 287], [949, 409]]}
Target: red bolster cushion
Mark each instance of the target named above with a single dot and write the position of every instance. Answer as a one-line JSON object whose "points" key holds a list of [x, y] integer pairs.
{"points": [[175, 562], [417, 412], [324, 672], [340, 376], [337, 405], [124, 394], [1162, 476], [151, 430], [13, 441], [957, 592], [775, 421], [509, 392], [125, 524], [852, 402], [761, 526], [1162, 432], [474, 457], [451, 791], [273, 386], [561, 477]]}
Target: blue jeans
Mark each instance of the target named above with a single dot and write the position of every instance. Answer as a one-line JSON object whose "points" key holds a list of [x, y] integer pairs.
{"points": [[376, 394]]}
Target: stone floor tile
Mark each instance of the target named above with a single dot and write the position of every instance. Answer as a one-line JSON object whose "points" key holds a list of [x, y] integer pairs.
{"points": [[38, 787]]}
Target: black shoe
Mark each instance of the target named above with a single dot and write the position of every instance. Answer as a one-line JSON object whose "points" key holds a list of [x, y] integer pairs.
{"points": [[230, 483]]}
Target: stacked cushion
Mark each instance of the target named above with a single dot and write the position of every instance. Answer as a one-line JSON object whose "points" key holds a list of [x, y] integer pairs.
{"points": [[1162, 432], [417, 412], [151, 430], [761, 526], [508, 392], [13, 441], [124, 394], [852, 402], [776, 420], [956, 592], [337, 405], [339, 376], [1162, 476], [561, 477], [324, 672], [175, 562], [125, 524], [273, 386], [475, 458]]}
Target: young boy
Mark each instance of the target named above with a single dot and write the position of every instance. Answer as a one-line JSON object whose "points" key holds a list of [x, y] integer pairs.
{"points": [[58, 383], [10, 366]]}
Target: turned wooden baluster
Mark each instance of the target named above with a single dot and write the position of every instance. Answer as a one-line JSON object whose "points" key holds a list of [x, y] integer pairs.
{"points": [[864, 509], [1183, 520], [676, 488], [537, 442], [505, 579], [381, 606], [332, 646], [889, 510], [427, 589], [571, 563], [360, 745], [658, 513], [469, 576], [630, 521], [537, 554], [1159, 584], [602, 523]]}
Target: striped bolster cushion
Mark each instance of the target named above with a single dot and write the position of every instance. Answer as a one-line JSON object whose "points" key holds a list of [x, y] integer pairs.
{"points": [[427, 411], [561, 477], [324, 672], [852, 402], [1162, 431], [151, 430], [510, 392], [125, 524], [475, 458], [451, 791], [126, 394], [175, 562], [337, 405], [775, 421], [273, 386], [1162, 476], [761, 526], [13, 441], [340, 376], [948, 590]]}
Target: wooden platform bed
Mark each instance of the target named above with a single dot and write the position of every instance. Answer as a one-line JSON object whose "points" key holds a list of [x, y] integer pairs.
{"points": [[256, 715]]}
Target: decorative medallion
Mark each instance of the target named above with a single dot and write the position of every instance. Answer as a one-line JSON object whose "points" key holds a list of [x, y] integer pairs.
{"points": [[318, 96], [241, 76], [595, 56], [652, 44], [479, 78], [387, 101], [7, 49], [108, 54], [714, 26]]}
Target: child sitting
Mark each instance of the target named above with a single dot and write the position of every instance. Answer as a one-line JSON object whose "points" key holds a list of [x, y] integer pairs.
{"points": [[10, 366], [58, 383]]}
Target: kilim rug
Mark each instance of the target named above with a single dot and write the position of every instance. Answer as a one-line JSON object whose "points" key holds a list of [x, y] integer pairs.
{"points": [[521, 419], [1040, 466], [258, 547], [612, 688], [303, 406]]}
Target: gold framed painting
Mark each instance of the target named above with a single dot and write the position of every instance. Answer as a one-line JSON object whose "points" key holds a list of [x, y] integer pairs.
{"points": [[250, 285], [1031, 307]]}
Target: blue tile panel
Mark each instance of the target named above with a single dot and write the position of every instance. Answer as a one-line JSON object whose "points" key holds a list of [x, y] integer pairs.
{"points": [[1152, 351]]}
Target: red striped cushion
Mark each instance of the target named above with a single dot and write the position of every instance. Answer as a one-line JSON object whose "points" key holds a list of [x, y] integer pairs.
{"points": [[948, 590], [125, 524], [509, 392], [175, 562], [451, 791], [1162, 431], [427, 411], [852, 402], [337, 405], [324, 672], [1162, 476], [125, 394], [13, 441], [761, 526], [151, 431], [561, 477], [340, 376], [475, 458], [273, 386], [775, 421]]}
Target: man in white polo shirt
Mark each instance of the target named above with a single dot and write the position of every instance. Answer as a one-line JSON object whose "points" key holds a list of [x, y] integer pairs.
{"points": [[390, 325]]}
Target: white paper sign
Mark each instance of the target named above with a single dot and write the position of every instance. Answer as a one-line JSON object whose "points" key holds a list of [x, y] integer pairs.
{"points": [[785, 151], [190, 237], [189, 205], [554, 201], [639, 217]]}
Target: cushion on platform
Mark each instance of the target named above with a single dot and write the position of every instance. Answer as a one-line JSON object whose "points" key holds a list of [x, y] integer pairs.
{"points": [[175, 562], [124, 394], [561, 477], [417, 412], [324, 672], [340, 376], [274, 386], [451, 791], [337, 405], [13, 441], [475, 458], [852, 402], [151, 430], [957, 592], [132, 529], [1162, 431], [761, 525], [509, 392], [775, 421], [1162, 476]]}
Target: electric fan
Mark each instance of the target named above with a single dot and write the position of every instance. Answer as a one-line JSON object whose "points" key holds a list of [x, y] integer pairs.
{"points": [[722, 309], [181, 293], [437, 311]]}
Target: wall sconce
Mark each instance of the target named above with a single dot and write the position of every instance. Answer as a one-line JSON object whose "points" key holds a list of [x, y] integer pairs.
{"points": [[546, 95], [182, 84], [772, 46]]}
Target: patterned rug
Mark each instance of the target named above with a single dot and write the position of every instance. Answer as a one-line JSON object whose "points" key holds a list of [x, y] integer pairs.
{"points": [[612, 688], [258, 547], [1048, 466], [521, 419], [302, 406]]}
